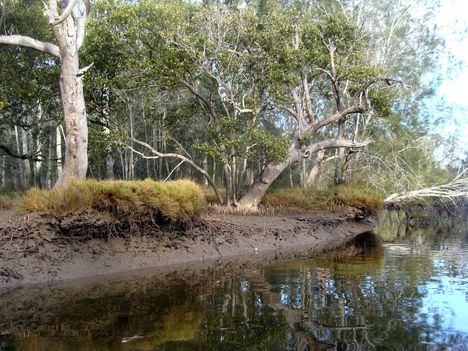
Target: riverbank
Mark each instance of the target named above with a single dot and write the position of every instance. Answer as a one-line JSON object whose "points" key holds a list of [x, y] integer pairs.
{"points": [[38, 247]]}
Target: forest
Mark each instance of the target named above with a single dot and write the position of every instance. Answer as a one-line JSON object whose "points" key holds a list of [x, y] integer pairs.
{"points": [[241, 96]]}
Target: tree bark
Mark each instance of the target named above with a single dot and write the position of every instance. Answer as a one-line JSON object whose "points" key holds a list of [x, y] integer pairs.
{"points": [[72, 96], [69, 29], [270, 173], [338, 178], [309, 178], [58, 150]]}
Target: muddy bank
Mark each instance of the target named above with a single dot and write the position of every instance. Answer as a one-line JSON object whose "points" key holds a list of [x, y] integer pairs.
{"points": [[98, 308], [40, 248]]}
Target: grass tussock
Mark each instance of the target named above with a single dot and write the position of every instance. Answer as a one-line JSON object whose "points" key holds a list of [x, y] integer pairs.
{"points": [[6, 202], [176, 200], [298, 199], [210, 195]]}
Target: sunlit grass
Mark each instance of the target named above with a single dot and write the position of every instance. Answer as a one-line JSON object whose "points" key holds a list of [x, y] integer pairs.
{"points": [[176, 200], [333, 199]]}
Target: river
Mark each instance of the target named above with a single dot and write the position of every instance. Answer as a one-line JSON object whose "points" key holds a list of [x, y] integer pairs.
{"points": [[403, 288]]}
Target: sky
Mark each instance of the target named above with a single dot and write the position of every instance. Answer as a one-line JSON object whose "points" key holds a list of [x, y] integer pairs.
{"points": [[452, 21]]}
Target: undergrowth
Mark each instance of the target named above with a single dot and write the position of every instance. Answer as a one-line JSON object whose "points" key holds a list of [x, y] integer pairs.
{"points": [[210, 195], [176, 200], [332, 199], [6, 202]]}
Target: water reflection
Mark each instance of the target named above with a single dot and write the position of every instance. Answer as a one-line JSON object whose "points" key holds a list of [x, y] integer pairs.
{"points": [[409, 291]]}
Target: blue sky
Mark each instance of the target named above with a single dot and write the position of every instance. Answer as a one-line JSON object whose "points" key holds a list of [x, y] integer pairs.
{"points": [[452, 21]]}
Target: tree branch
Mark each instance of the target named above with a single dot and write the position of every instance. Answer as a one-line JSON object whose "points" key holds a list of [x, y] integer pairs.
{"points": [[200, 98], [7, 151], [68, 10], [458, 187], [335, 117], [158, 154], [80, 20], [308, 100], [333, 143], [22, 40]]}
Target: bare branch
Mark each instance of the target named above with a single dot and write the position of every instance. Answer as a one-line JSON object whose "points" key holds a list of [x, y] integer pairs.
{"points": [[298, 106], [458, 187], [80, 20], [32, 157], [67, 12], [158, 155], [335, 117], [333, 143], [52, 10], [291, 112], [308, 100], [22, 40]]}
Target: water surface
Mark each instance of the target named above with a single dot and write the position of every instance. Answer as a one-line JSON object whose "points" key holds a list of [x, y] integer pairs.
{"points": [[405, 288]]}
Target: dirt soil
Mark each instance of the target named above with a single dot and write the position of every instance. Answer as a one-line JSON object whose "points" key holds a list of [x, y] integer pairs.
{"points": [[41, 248]]}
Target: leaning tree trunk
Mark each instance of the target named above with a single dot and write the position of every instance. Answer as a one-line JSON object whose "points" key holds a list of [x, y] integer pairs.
{"points": [[257, 190], [269, 174], [73, 102]]}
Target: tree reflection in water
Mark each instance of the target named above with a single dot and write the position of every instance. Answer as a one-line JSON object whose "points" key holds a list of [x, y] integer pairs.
{"points": [[409, 292]]}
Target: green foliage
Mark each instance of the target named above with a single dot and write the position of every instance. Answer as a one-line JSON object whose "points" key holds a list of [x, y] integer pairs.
{"points": [[337, 28], [381, 101], [363, 73], [239, 139], [298, 199], [178, 200]]}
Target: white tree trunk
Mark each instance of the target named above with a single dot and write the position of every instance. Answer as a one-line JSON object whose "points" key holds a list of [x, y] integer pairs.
{"points": [[58, 150], [72, 95], [68, 27]]}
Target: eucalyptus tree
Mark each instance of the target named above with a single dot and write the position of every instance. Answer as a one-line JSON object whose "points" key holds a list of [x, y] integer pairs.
{"points": [[403, 39], [67, 20], [319, 79]]}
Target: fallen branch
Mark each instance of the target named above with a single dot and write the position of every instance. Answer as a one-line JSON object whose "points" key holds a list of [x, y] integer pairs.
{"points": [[457, 188]]}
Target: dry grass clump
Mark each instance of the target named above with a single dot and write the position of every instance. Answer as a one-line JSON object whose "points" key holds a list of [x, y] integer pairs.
{"points": [[357, 196], [298, 199], [6, 202], [210, 195], [177, 200]]}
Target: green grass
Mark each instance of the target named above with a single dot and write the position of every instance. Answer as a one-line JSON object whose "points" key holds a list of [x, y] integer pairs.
{"points": [[176, 200], [333, 199]]}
